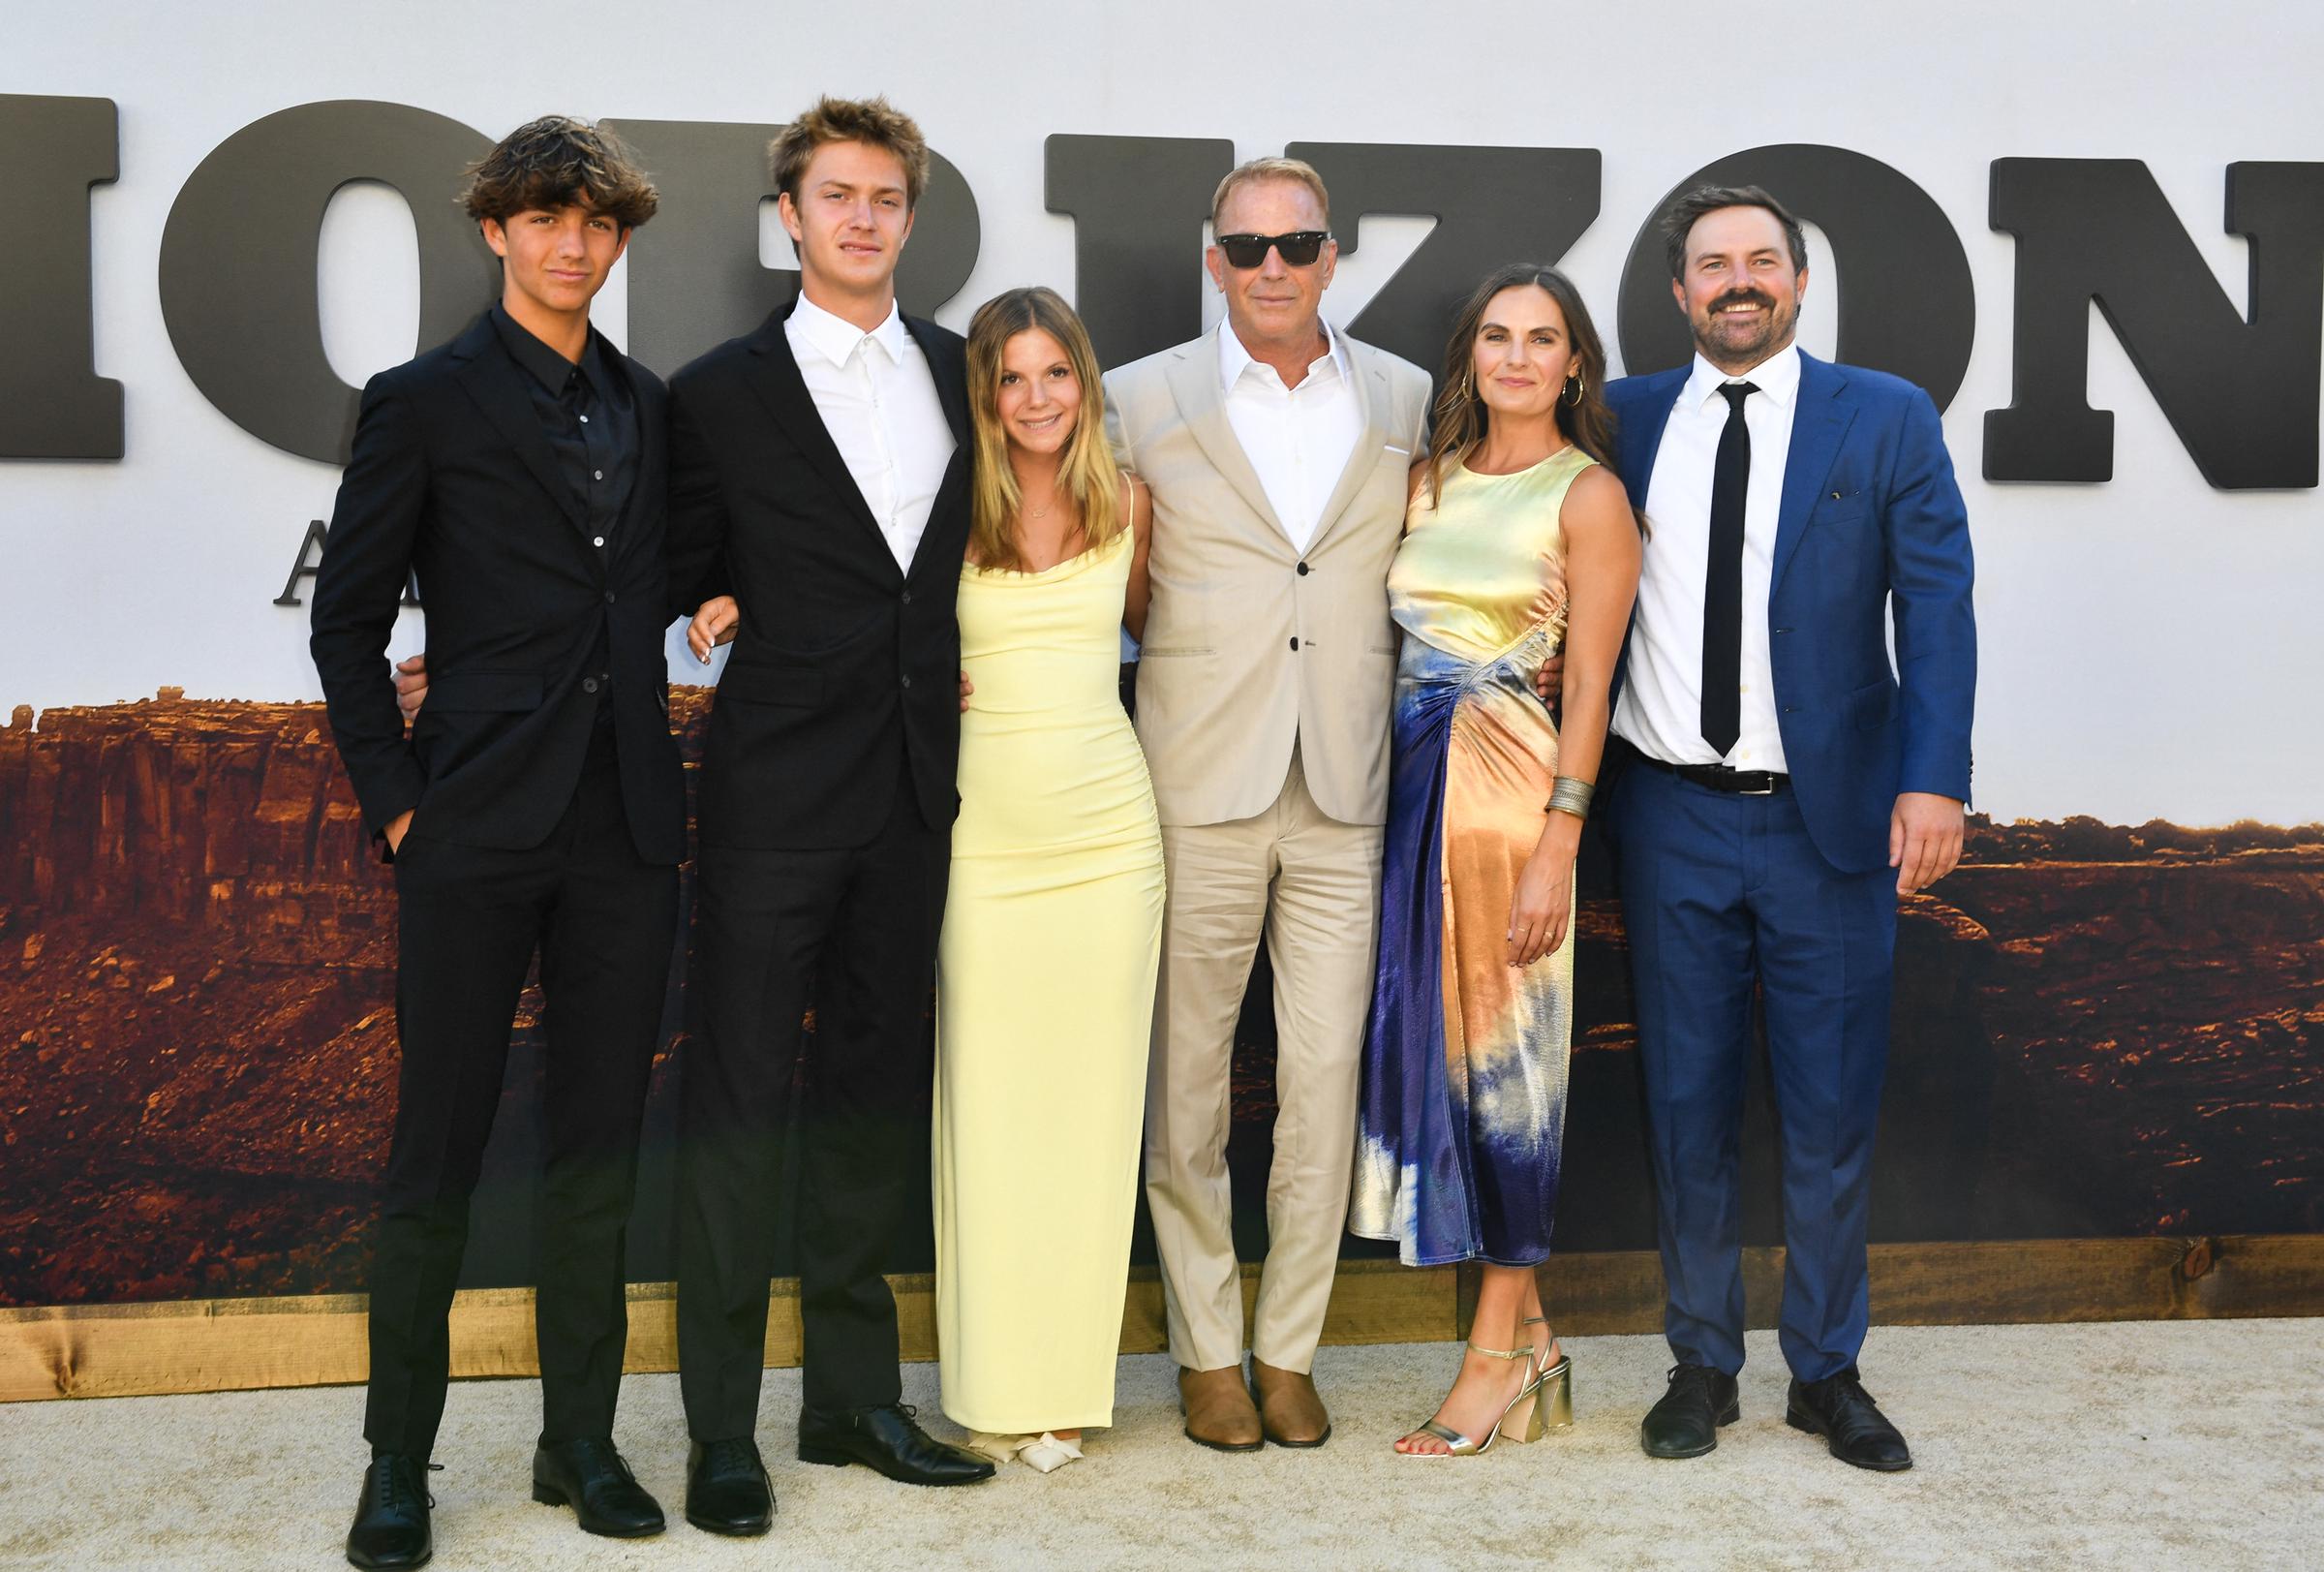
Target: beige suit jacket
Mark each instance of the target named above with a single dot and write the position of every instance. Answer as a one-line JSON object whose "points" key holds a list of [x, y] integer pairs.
{"points": [[1223, 691]]}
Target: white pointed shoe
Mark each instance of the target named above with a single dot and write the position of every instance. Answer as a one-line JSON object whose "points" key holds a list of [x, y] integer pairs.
{"points": [[1002, 1449], [1048, 1453]]}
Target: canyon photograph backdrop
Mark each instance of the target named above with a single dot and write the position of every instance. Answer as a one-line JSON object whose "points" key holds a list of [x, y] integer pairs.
{"points": [[2101, 1030]]}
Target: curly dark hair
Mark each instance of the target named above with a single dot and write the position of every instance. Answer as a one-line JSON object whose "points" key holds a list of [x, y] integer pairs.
{"points": [[872, 121], [558, 162]]}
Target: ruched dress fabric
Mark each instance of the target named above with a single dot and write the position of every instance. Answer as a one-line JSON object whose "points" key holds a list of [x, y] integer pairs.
{"points": [[1045, 1000], [1463, 1111]]}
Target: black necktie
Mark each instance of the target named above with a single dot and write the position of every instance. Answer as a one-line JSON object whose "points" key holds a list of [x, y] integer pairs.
{"points": [[1723, 581]]}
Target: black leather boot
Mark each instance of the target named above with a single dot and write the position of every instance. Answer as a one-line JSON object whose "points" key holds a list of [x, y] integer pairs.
{"points": [[889, 1440], [1685, 1423], [1839, 1409], [391, 1518], [589, 1476], [726, 1487]]}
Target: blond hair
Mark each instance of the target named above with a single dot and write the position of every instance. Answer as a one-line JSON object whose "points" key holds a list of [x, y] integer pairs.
{"points": [[1298, 171], [1087, 469], [872, 121]]}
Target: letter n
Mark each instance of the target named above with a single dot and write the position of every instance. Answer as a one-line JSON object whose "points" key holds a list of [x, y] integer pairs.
{"points": [[2242, 394]]}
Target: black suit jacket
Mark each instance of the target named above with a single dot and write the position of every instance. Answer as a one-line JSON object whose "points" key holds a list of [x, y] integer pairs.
{"points": [[845, 668], [453, 477]]}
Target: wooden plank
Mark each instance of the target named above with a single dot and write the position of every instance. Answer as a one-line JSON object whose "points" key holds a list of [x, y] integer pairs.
{"points": [[213, 1345]]}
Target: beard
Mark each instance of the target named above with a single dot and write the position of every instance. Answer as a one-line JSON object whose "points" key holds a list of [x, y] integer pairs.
{"points": [[1740, 343]]}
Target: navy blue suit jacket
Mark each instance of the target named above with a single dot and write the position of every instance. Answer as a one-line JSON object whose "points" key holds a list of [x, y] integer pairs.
{"points": [[1871, 523]]}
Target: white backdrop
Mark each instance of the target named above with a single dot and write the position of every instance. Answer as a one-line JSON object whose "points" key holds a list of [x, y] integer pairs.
{"points": [[2148, 645]]}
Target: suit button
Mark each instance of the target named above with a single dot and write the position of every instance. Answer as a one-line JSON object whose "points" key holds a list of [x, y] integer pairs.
{"points": [[907, 598], [1303, 570], [609, 597], [588, 685], [597, 540], [907, 679], [1295, 642]]}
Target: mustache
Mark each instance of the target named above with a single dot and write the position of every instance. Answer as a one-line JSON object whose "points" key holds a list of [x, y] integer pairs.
{"points": [[1744, 297]]}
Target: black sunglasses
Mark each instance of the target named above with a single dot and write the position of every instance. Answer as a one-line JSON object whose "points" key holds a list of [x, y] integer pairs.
{"points": [[1300, 248]]}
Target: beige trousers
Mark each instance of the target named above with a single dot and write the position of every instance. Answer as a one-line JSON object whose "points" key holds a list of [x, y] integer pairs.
{"points": [[1312, 885]]}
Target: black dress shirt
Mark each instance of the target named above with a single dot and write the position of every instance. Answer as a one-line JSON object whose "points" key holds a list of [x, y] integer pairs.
{"points": [[590, 417], [591, 426]]}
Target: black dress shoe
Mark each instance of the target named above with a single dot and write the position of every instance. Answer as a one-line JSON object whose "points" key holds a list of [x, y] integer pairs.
{"points": [[1839, 1409], [726, 1487], [391, 1518], [589, 1476], [886, 1438], [1685, 1423]]}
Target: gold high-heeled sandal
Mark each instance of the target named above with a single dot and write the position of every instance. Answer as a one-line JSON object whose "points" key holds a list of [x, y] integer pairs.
{"points": [[1554, 1387], [1461, 1446]]}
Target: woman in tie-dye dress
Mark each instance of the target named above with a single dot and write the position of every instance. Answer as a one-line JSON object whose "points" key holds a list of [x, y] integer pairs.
{"points": [[1517, 548]]}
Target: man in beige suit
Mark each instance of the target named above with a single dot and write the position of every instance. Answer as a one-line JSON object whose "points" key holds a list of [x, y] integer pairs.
{"points": [[1276, 449]]}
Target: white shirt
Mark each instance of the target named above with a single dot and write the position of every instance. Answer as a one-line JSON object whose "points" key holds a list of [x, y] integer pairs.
{"points": [[1297, 439], [1660, 709], [878, 401]]}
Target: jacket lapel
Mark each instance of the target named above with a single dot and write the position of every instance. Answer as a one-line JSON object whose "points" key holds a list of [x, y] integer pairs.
{"points": [[775, 378], [652, 403], [948, 368], [952, 382], [1370, 382], [1637, 439], [1193, 380], [494, 380], [1818, 425], [1640, 436]]}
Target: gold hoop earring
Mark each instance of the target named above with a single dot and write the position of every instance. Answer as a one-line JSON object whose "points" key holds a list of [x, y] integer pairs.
{"points": [[1578, 387]]}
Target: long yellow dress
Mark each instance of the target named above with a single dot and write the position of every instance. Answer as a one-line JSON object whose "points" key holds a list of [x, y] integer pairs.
{"points": [[1045, 999]]}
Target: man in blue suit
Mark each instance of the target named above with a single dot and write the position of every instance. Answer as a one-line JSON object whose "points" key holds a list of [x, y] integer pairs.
{"points": [[1784, 786]]}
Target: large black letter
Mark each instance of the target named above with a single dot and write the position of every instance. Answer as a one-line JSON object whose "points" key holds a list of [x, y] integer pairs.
{"points": [[1907, 304], [1138, 205], [238, 259], [695, 279], [2242, 395], [1492, 205], [52, 403]]}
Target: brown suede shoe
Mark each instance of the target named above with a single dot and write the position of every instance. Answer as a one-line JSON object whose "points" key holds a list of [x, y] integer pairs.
{"points": [[1291, 1413], [1218, 1410]]}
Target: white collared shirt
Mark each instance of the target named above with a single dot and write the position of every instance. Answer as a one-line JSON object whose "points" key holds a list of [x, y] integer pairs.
{"points": [[1299, 439], [1660, 709], [878, 401]]}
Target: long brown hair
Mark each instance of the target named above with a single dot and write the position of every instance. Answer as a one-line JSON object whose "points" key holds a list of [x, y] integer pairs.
{"points": [[1461, 418], [1085, 470]]}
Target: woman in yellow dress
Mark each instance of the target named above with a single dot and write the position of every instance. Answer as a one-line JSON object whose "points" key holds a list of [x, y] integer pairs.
{"points": [[1052, 934], [1518, 547]]}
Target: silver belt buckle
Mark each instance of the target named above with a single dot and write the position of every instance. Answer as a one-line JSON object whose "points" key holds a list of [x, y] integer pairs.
{"points": [[1767, 791]]}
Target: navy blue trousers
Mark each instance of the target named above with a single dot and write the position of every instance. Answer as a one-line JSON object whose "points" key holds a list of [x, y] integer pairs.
{"points": [[1725, 897]]}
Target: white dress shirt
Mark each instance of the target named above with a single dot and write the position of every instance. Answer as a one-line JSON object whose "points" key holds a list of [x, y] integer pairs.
{"points": [[1299, 439], [1661, 710], [878, 401]]}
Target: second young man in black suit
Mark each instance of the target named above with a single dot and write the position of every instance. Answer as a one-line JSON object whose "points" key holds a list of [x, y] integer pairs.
{"points": [[824, 460], [537, 804]]}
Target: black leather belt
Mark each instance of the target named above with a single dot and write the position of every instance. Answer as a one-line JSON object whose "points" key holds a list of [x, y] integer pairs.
{"points": [[1719, 778]]}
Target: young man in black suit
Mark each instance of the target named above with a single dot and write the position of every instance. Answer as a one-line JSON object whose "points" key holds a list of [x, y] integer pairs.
{"points": [[537, 805], [823, 459]]}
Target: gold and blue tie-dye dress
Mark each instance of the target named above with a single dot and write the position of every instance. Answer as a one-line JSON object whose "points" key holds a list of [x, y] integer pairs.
{"points": [[1464, 1059]]}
